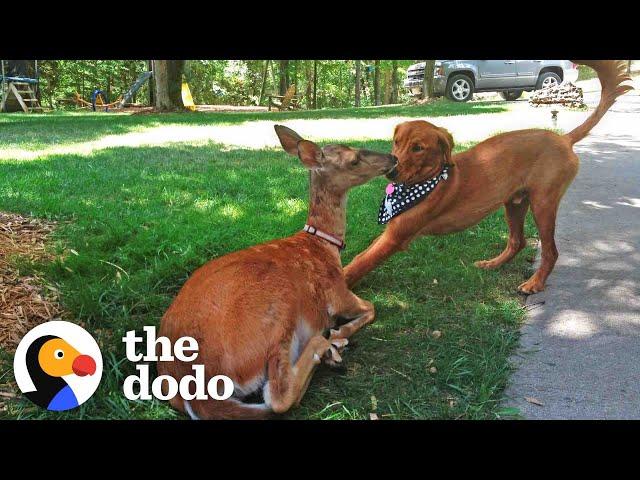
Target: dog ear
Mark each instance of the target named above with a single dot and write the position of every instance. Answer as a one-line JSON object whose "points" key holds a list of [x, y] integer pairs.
{"points": [[445, 140]]}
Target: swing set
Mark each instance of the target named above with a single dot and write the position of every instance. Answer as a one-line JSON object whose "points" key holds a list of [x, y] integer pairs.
{"points": [[19, 82], [19, 90]]}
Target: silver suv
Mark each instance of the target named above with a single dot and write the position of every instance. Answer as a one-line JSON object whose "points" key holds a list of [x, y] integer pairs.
{"points": [[459, 79]]}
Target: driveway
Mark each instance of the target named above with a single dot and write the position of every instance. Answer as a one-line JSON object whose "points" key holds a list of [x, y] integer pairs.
{"points": [[580, 347]]}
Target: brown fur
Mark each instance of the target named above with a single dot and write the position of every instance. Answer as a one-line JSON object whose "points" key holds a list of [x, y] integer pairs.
{"points": [[259, 314], [521, 169]]}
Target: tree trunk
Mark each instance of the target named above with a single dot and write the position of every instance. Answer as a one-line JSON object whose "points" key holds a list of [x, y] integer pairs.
{"points": [[427, 82], [265, 71], [284, 80], [376, 82], [308, 98], [295, 74], [168, 79], [394, 82], [152, 99], [358, 84], [315, 84], [387, 88]]}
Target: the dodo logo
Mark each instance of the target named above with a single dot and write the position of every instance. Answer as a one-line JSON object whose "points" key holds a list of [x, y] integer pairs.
{"points": [[58, 365]]}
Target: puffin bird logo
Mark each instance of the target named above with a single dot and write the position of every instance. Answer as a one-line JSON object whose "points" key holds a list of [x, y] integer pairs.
{"points": [[54, 368]]}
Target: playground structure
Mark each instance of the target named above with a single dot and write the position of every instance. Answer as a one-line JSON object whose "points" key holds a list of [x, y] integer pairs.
{"points": [[99, 97], [99, 100], [20, 82], [19, 86]]}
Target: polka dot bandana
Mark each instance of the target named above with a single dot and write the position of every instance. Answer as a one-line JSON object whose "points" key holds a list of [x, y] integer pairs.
{"points": [[400, 197]]}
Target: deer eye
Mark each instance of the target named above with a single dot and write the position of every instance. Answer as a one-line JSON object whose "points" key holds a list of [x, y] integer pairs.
{"points": [[417, 148]]}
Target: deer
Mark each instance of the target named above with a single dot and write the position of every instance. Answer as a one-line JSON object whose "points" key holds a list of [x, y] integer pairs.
{"points": [[268, 315]]}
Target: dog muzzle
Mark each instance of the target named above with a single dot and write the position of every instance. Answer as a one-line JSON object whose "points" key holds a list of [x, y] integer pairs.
{"points": [[400, 197]]}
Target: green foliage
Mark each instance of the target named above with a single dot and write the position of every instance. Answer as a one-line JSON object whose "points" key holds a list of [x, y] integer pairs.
{"points": [[159, 212], [62, 78], [228, 82]]}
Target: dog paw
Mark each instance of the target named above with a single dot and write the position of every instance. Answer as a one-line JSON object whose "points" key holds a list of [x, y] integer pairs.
{"points": [[530, 287], [486, 264]]}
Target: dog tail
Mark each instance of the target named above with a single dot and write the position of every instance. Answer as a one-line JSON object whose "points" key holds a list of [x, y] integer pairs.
{"points": [[612, 75]]}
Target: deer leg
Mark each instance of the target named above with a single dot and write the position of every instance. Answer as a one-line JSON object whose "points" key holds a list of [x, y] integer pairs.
{"points": [[288, 383], [361, 312]]}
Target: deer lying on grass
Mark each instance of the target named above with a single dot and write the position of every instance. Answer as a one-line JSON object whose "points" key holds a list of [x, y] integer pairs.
{"points": [[260, 315]]}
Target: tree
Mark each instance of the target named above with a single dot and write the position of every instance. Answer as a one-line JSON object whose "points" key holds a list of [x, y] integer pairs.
{"points": [[168, 80], [284, 77], [358, 83], [394, 82], [376, 82], [315, 84], [265, 71], [427, 82]]}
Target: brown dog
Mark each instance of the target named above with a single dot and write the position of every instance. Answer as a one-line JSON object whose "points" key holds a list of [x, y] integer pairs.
{"points": [[521, 169], [260, 315]]}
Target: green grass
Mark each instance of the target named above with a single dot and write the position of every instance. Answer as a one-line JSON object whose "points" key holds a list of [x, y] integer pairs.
{"points": [[142, 219], [37, 131], [586, 73]]}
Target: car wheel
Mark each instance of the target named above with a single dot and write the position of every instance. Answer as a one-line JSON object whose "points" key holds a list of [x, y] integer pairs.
{"points": [[511, 95], [548, 79], [460, 88]]}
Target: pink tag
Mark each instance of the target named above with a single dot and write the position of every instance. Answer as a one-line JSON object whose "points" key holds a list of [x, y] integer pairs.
{"points": [[390, 189]]}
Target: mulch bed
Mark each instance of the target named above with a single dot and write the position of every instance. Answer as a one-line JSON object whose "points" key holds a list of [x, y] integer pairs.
{"points": [[25, 301]]}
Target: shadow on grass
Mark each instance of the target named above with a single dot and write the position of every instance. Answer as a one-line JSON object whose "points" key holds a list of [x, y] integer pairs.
{"points": [[158, 213], [34, 132]]}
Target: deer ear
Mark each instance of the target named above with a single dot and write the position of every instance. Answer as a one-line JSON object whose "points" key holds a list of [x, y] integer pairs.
{"points": [[445, 139], [288, 139], [310, 154]]}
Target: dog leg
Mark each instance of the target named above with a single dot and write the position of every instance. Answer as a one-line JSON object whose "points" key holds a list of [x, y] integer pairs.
{"points": [[287, 384], [515, 214], [360, 311], [381, 249], [544, 213]]}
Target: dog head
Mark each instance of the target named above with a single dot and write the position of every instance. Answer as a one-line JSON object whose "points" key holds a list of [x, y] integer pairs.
{"points": [[343, 167], [422, 150]]}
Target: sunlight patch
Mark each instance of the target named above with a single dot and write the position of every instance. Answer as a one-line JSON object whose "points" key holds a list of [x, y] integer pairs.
{"points": [[204, 204], [596, 205], [630, 202], [291, 206], [572, 324], [232, 211]]}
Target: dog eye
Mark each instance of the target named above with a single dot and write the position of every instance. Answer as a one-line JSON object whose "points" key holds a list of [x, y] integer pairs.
{"points": [[417, 148], [355, 161]]}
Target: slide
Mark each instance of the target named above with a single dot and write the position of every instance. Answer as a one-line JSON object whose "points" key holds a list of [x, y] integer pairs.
{"points": [[187, 99], [144, 76]]}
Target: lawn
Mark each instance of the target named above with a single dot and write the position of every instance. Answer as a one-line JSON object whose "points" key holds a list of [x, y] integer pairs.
{"points": [[136, 221]]}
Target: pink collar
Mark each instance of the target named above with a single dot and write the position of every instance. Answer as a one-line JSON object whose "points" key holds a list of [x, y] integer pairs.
{"points": [[311, 230]]}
